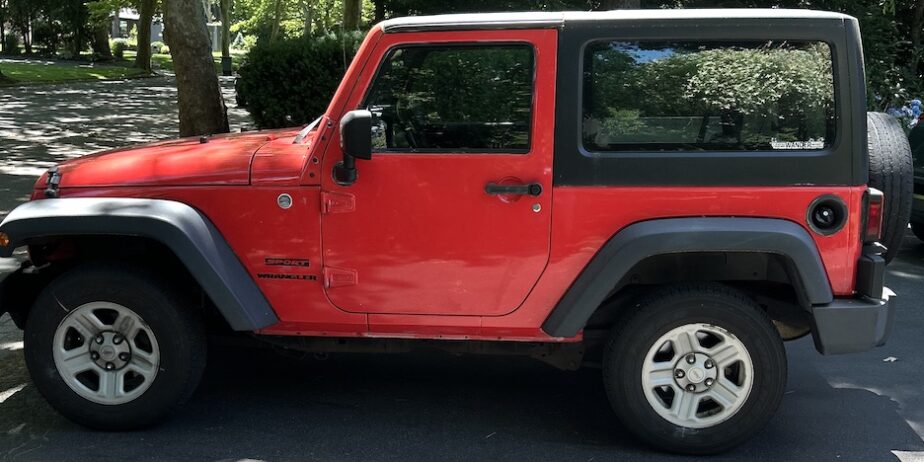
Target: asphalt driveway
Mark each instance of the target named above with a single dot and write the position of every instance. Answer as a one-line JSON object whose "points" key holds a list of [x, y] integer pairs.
{"points": [[257, 404]]}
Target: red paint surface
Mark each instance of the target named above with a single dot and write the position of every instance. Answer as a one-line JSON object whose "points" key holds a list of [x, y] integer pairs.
{"points": [[435, 257]]}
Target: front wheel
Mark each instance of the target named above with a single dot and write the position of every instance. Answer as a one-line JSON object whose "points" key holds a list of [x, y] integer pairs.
{"points": [[695, 369], [113, 348]]}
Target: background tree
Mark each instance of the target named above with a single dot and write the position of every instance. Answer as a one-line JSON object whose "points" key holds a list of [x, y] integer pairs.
{"points": [[146, 9], [352, 11], [202, 107]]}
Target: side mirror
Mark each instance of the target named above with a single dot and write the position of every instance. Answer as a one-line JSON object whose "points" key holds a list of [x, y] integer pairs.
{"points": [[356, 134], [355, 142]]}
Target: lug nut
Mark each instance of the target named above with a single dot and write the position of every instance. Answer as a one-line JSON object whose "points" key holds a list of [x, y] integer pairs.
{"points": [[94, 355], [709, 382], [123, 356], [99, 339], [117, 339], [691, 387], [691, 359], [679, 373], [110, 366], [709, 364]]}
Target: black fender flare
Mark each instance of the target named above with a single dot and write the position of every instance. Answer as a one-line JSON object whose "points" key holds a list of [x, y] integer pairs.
{"points": [[184, 230], [642, 240]]}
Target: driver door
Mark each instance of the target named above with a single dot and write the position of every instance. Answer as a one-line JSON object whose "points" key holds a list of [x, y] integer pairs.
{"points": [[452, 215]]}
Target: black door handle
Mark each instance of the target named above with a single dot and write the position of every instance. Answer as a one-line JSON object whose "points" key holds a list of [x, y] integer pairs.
{"points": [[531, 189]]}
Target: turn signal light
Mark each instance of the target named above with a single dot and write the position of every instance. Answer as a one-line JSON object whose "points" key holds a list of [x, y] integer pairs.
{"points": [[874, 204], [4, 240]]}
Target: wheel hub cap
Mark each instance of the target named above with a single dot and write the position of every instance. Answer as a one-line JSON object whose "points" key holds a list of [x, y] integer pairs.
{"points": [[106, 353], [112, 352], [697, 375]]}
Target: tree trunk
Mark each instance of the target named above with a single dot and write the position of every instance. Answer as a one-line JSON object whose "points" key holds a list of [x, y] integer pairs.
{"points": [[308, 10], [202, 107], [277, 18], [145, 16], [352, 9], [101, 41], [917, 23], [225, 28], [620, 4], [27, 35]]}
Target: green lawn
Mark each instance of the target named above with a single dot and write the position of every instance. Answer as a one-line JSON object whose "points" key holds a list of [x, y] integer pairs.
{"points": [[63, 71], [165, 62]]}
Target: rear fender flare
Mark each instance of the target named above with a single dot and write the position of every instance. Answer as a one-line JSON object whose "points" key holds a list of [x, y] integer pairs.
{"points": [[678, 235]]}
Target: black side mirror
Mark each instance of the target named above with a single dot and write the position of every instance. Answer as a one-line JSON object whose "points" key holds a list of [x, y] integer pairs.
{"points": [[355, 142], [356, 134]]}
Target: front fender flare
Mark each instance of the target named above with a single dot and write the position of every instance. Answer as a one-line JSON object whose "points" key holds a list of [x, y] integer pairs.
{"points": [[185, 231], [678, 235]]}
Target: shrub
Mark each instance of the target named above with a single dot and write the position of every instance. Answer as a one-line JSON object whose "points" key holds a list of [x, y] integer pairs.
{"points": [[290, 82], [119, 46], [164, 50], [47, 34], [11, 44]]}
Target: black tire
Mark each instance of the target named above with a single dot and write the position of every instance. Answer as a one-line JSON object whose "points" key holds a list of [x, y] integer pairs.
{"points": [[167, 313], [659, 313], [918, 230], [891, 171]]}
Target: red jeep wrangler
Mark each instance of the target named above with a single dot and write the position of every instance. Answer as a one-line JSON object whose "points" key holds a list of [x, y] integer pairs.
{"points": [[670, 194]]}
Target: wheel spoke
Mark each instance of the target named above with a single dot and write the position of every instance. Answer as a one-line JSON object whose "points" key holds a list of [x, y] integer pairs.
{"points": [[75, 361], [725, 354], [110, 384], [685, 406], [661, 374], [87, 324], [143, 364], [724, 393], [127, 325], [685, 342]]}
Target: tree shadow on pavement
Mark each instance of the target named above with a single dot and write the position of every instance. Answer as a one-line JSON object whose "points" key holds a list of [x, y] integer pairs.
{"points": [[429, 406]]}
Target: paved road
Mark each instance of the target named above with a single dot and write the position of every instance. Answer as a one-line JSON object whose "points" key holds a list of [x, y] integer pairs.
{"points": [[256, 404]]}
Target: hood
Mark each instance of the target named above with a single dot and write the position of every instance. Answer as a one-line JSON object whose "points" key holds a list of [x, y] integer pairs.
{"points": [[220, 160]]}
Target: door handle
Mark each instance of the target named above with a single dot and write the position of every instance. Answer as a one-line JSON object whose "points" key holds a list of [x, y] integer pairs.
{"points": [[531, 189]]}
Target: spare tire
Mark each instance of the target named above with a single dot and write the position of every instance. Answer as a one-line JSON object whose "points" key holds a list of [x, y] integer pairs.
{"points": [[890, 171]]}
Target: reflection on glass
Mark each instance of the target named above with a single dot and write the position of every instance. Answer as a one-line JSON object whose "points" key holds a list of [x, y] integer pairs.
{"points": [[472, 98], [668, 96]]}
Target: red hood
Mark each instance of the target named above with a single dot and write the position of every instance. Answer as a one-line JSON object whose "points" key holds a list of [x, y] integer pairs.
{"points": [[223, 160]]}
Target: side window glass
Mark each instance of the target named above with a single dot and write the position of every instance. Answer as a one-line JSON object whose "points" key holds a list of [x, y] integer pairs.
{"points": [[704, 96], [453, 98]]}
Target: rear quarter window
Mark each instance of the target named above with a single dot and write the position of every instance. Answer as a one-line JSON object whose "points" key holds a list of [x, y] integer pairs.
{"points": [[707, 96]]}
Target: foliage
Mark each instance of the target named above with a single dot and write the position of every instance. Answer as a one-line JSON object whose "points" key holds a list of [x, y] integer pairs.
{"points": [[290, 82], [663, 91], [11, 44], [47, 34], [119, 46]]}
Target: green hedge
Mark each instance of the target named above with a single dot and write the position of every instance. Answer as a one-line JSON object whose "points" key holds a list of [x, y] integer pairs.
{"points": [[290, 82]]}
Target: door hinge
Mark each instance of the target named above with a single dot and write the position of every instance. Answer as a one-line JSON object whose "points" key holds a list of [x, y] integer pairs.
{"points": [[339, 277], [334, 202]]}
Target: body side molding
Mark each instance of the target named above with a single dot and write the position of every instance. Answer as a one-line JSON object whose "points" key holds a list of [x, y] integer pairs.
{"points": [[185, 231], [681, 235]]}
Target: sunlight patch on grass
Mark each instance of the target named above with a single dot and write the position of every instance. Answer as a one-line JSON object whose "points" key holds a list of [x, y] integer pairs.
{"points": [[32, 72]]}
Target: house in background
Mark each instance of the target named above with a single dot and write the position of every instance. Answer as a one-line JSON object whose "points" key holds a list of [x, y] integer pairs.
{"points": [[126, 19]]}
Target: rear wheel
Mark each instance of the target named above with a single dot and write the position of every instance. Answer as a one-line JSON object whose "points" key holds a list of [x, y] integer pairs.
{"points": [[696, 369], [113, 348], [890, 171]]}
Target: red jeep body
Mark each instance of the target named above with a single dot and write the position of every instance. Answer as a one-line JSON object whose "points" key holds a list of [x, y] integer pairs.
{"points": [[416, 249]]}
